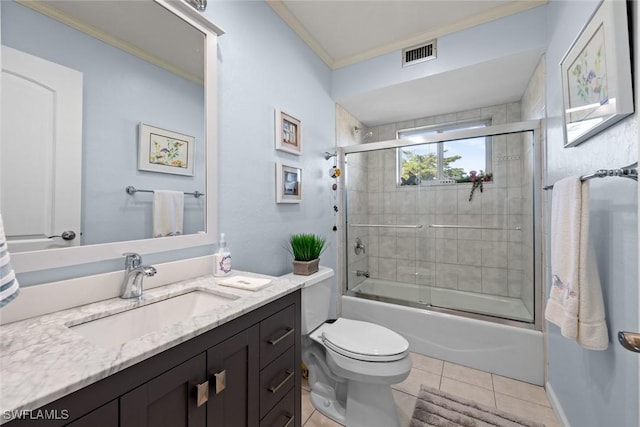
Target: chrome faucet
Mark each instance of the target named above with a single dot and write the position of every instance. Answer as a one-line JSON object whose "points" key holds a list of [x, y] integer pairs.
{"points": [[360, 273], [134, 272]]}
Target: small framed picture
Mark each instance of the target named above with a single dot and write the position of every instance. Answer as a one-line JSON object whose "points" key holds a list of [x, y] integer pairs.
{"points": [[165, 151], [288, 183], [596, 75], [288, 133]]}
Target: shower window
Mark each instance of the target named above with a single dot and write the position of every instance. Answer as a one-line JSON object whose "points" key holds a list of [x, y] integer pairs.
{"points": [[443, 162]]}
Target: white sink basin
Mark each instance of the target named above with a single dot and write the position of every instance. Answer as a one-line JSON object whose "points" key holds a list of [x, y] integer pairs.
{"points": [[115, 330]]}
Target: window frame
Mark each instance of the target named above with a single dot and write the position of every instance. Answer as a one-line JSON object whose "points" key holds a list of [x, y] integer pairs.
{"points": [[444, 128]]}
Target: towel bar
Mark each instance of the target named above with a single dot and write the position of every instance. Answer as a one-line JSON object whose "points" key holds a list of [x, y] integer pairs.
{"points": [[474, 227], [630, 172], [131, 190], [388, 225]]}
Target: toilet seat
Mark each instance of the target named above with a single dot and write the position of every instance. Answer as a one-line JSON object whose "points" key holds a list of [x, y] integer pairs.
{"points": [[362, 340]]}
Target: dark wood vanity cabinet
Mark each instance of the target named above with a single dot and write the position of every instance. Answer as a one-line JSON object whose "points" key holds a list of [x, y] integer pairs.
{"points": [[243, 373]]}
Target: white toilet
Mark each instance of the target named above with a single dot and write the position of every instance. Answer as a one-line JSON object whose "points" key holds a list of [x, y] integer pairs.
{"points": [[352, 364]]}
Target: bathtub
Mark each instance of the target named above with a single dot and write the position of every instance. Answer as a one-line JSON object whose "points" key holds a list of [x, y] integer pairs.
{"points": [[492, 305], [509, 351]]}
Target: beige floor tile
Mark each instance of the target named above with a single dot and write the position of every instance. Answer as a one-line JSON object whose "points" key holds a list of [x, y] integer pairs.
{"points": [[468, 391], [405, 404], [307, 407], [426, 363], [520, 390], [531, 411], [467, 375], [319, 420], [417, 377]]}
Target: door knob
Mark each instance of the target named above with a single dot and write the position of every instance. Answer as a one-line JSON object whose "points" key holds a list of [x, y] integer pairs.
{"points": [[630, 340], [66, 235]]}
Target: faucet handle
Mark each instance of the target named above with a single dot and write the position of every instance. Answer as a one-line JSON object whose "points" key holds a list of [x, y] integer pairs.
{"points": [[132, 260]]}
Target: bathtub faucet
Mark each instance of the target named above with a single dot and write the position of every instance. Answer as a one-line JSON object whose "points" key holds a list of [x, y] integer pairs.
{"points": [[360, 273]]}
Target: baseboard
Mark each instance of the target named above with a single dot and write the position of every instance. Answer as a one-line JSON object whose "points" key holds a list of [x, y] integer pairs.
{"points": [[555, 404]]}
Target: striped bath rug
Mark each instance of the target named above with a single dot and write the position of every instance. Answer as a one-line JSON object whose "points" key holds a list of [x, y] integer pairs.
{"points": [[439, 409]]}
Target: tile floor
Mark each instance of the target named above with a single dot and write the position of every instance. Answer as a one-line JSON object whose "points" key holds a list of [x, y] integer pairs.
{"points": [[520, 398]]}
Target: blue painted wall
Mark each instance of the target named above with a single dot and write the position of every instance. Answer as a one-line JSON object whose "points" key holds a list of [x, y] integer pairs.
{"points": [[264, 65], [596, 388], [120, 90], [501, 38]]}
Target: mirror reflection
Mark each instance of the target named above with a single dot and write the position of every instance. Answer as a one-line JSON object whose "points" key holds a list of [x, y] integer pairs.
{"points": [[99, 96]]}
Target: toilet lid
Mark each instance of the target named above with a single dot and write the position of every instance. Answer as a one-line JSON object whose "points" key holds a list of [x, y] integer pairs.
{"points": [[364, 341]]}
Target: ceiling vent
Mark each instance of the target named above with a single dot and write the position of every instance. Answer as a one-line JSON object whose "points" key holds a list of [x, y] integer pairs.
{"points": [[420, 53]]}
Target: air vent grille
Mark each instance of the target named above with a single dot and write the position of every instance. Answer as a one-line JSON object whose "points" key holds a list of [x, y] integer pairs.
{"points": [[416, 54]]}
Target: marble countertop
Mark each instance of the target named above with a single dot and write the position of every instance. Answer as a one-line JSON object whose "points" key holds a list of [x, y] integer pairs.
{"points": [[42, 360]]}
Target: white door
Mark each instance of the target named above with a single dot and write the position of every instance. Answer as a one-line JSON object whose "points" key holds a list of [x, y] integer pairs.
{"points": [[40, 152]]}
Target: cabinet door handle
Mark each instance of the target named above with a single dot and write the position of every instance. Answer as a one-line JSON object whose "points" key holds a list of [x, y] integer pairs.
{"points": [[289, 422], [202, 393], [220, 379], [274, 389], [288, 331]]}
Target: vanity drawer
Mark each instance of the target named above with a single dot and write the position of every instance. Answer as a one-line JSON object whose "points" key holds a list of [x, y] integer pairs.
{"points": [[276, 380], [277, 333], [283, 414]]}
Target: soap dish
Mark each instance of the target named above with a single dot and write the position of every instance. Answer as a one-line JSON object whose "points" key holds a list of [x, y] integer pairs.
{"points": [[244, 282]]}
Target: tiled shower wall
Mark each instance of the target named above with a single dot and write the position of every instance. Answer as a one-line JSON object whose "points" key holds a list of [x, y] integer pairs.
{"points": [[485, 261]]}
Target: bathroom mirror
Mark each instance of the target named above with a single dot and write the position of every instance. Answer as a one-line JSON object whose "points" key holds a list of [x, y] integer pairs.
{"points": [[137, 65]]}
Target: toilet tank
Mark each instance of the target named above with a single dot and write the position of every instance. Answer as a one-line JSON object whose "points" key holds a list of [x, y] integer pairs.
{"points": [[316, 297]]}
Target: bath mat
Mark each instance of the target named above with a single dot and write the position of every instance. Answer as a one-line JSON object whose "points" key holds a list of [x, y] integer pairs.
{"points": [[439, 409]]}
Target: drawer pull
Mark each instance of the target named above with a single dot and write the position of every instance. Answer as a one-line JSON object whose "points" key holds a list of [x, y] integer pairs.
{"points": [[221, 381], [274, 389], [289, 421], [202, 393], [274, 341]]}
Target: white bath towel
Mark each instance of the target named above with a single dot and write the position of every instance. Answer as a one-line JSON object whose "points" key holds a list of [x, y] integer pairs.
{"points": [[168, 213], [575, 301], [9, 287]]}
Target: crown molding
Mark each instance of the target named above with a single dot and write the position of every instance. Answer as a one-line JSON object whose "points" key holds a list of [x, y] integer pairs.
{"points": [[510, 8], [289, 18], [47, 10]]}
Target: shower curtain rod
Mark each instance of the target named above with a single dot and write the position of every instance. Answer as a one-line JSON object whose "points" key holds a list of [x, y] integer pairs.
{"points": [[630, 172]]}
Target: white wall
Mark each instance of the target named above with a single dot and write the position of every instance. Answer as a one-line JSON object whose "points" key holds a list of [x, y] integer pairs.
{"points": [[596, 388]]}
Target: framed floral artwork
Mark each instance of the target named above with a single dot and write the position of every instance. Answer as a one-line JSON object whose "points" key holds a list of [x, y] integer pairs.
{"points": [[596, 75], [288, 133], [288, 183], [165, 151]]}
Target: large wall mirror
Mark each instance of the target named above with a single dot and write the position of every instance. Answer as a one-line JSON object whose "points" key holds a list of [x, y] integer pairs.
{"points": [[99, 96]]}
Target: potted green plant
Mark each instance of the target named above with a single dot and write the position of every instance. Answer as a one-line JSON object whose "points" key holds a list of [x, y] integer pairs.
{"points": [[306, 250]]}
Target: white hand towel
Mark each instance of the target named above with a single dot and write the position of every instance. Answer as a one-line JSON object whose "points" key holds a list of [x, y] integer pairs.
{"points": [[9, 287], [575, 301], [168, 212]]}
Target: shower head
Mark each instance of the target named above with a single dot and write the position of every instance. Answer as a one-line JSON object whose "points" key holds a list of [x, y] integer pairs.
{"points": [[328, 155]]}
